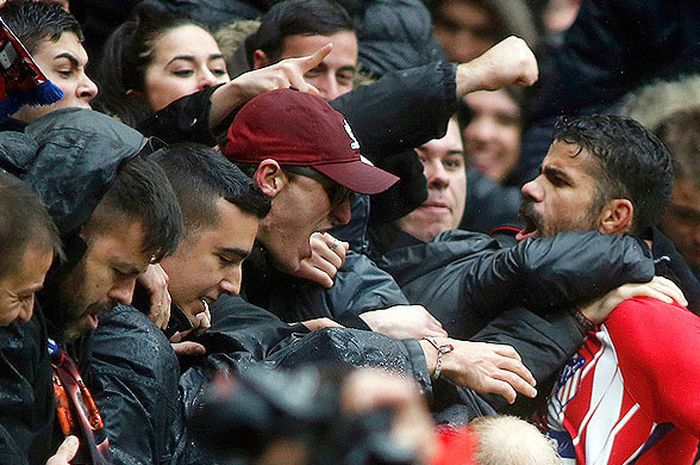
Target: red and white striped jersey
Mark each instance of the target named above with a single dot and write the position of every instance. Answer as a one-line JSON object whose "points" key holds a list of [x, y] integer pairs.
{"points": [[632, 393]]}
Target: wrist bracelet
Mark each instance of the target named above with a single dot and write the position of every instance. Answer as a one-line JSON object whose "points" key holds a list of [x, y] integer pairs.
{"points": [[583, 324], [442, 349]]}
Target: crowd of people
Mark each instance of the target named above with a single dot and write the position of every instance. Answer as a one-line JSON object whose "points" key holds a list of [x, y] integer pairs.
{"points": [[308, 232]]}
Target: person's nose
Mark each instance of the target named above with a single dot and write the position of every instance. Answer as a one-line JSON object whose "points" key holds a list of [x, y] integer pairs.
{"points": [[123, 291], [481, 130], [341, 214], [436, 174], [533, 191], [87, 89], [329, 87], [206, 79], [231, 283], [27, 310]]}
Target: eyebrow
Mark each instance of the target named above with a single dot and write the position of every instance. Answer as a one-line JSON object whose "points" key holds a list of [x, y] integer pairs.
{"points": [[556, 172], [455, 152], [70, 57], [241, 253], [190, 58]]}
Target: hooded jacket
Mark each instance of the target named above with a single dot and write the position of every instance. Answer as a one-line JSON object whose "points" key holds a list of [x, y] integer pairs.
{"points": [[70, 157]]}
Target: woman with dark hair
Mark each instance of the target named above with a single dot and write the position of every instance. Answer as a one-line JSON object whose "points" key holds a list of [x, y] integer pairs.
{"points": [[154, 59]]}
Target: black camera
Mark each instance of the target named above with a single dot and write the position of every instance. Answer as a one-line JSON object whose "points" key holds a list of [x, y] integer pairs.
{"points": [[241, 416]]}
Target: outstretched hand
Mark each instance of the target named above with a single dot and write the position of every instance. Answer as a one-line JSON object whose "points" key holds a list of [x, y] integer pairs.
{"points": [[658, 288], [485, 368], [287, 73], [284, 74]]}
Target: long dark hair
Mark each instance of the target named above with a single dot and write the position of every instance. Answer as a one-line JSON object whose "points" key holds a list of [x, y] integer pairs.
{"points": [[126, 55]]}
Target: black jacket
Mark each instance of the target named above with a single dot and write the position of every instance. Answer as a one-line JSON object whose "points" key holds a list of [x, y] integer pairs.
{"points": [[70, 157], [134, 376], [26, 393], [466, 279], [358, 287]]}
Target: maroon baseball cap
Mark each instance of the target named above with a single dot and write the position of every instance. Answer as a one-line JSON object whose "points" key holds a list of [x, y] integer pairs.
{"points": [[295, 128]]}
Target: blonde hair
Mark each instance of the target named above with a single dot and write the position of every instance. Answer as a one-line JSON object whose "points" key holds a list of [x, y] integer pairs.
{"points": [[507, 440], [655, 102]]}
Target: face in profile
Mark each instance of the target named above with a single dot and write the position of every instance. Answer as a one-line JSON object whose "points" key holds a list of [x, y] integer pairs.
{"points": [[104, 277], [19, 287], [300, 206], [186, 60], [563, 196], [492, 137], [444, 168], [63, 62], [208, 261]]}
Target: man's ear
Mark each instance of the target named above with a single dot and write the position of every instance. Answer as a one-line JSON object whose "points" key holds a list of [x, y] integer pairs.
{"points": [[260, 59], [616, 217], [270, 178]]}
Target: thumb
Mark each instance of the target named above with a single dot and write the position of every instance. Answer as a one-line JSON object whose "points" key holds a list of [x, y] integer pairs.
{"points": [[66, 451]]}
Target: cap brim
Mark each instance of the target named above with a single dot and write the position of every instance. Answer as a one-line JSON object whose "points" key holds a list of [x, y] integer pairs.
{"points": [[359, 177]]}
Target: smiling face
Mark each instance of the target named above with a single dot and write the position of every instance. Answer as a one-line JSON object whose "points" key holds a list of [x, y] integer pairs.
{"points": [[208, 262], [63, 62], [563, 196], [17, 290], [443, 166], [492, 137], [105, 276], [186, 60]]}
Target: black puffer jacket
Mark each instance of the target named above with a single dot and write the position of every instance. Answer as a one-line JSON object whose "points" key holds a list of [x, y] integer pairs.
{"points": [[466, 279], [394, 35]]}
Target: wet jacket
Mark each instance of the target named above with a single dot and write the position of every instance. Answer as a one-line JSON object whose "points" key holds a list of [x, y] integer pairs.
{"points": [[134, 380], [466, 279], [359, 286], [70, 157], [26, 393]]}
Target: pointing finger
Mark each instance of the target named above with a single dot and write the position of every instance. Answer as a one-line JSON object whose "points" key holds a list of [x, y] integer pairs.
{"points": [[310, 62]]}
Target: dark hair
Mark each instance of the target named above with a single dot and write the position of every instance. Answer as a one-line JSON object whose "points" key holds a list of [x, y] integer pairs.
{"points": [[200, 176], [33, 22], [126, 55], [296, 17], [508, 17], [23, 220], [632, 163], [142, 191], [681, 134]]}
